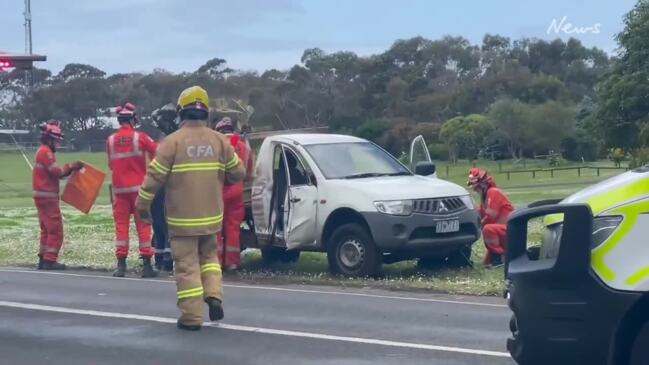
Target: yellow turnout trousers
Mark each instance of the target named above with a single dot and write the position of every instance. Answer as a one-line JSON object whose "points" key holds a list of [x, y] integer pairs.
{"points": [[198, 275]]}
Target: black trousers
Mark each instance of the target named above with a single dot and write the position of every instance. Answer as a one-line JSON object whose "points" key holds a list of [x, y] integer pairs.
{"points": [[160, 233]]}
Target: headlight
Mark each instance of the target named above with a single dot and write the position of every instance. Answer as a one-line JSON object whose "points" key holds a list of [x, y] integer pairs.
{"points": [[394, 207], [468, 201], [603, 228]]}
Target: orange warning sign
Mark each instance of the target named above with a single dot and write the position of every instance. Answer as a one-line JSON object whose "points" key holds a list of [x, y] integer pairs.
{"points": [[83, 187]]}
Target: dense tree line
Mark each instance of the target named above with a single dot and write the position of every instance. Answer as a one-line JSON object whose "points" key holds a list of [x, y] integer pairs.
{"points": [[502, 98]]}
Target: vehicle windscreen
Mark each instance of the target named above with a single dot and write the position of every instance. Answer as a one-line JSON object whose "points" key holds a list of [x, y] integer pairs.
{"points": [[354, 161]]}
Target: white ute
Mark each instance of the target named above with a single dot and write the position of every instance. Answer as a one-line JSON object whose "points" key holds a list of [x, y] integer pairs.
{"points": [[348, 197]]}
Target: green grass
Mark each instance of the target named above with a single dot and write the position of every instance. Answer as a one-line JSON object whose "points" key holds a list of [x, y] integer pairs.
{"points": [[89, 244], [89, 238]]}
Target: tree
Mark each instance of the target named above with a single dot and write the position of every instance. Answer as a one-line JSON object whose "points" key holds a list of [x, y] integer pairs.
{"points": [[77, 70], [465, 136], [624, 92], [510, 117], [548, 125], [214, 68]]}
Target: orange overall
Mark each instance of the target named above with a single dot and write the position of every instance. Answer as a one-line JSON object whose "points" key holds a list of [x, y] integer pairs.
{"points": [[494, 213], [127, 151], [233, 208], [45, 183]]}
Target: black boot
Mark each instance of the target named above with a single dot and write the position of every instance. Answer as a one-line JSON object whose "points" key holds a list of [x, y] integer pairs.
{"points": [[168, 263], [52, 265], [121, 268], [216, 309], [147, 269], [158, 261], [188, 327], [40, 263]]}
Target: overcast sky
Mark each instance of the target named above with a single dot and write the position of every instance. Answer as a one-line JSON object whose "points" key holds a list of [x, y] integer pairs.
{"points": [[140, 35]]}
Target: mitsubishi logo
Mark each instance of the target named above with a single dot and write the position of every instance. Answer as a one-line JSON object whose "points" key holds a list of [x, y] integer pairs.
{"points": [[441, 208]]}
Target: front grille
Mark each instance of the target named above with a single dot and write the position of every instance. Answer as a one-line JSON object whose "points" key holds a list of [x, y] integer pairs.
{"points": [[439, 206]]}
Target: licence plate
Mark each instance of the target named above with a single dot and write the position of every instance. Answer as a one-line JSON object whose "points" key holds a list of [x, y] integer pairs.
{"points": [[447, 226]]}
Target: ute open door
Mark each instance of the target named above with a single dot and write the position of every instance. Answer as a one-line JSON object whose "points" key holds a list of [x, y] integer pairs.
{"points": [[419, 153], [283, 199], [302, 202], [263, 195]]}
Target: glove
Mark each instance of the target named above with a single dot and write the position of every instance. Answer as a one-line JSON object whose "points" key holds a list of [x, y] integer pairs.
{"points": [[145, 216], [143, 211], [76, 165]]}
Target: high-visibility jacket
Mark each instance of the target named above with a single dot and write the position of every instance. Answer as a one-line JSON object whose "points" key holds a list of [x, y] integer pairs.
{"points": [[496, 208], [193, 164], [244, 152], [46, 174], [127, 151]]}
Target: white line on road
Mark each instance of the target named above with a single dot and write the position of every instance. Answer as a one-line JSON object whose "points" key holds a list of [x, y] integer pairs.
{"points": [[268, 331], [306, 291]]}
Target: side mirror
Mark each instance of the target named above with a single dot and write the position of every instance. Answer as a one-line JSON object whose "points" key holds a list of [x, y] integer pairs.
{"points": [[425, 168], [541, 203]]}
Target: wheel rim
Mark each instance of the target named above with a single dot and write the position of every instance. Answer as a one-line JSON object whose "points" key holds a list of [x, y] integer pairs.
{"points": [[351, 253]]}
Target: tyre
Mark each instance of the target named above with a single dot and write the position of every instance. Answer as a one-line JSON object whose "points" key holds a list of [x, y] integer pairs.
{"points": [[640, 351], [279, 254], [460, 258], [351, 251]]}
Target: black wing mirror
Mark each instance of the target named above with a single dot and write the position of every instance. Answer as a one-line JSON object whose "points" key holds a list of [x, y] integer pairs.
{"points": [[425, 168]]}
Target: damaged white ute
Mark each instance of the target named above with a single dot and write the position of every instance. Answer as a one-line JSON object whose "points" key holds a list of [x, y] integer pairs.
{"points": [[348, 197]]}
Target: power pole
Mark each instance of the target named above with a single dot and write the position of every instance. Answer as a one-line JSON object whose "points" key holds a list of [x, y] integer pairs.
{"points": [[28, 40]]}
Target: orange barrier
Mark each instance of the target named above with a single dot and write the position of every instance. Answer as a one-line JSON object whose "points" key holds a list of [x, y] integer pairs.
{"points": [[83, 187]]}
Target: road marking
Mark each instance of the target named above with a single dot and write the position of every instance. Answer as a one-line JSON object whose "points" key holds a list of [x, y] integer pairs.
{"points": [[270, 288], [267, 331]]}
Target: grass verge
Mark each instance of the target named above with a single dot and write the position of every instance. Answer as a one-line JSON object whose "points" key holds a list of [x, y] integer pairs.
{"points": [[89, 245]]}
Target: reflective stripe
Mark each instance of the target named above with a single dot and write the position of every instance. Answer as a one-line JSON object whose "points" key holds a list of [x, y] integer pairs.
{"points": [[491, 241], [211, 268], [130, 189], [195, 222], [116, 156], [159, 167], [198, 166], [45, 194], [232, 249], [233, 163], [39, 165], [144, 195], [638, 277], [190, 293]]}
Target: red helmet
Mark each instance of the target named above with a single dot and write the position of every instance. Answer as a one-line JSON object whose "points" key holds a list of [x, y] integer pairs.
{"points": [[478, 176], [51, 130], [125, 113], [225, 125]]}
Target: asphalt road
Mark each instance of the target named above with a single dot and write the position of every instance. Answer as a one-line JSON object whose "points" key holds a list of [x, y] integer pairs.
{"points": [[88, 318]]}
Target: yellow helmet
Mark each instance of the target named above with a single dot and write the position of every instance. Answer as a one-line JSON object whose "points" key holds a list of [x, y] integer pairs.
{"points": [[194, 97]]}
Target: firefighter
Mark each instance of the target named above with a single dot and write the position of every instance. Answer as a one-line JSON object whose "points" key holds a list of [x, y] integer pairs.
{"points": [[127, 151], [45, 184], [233, 205], [495, 208], [166, 120], [193, 163]]}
